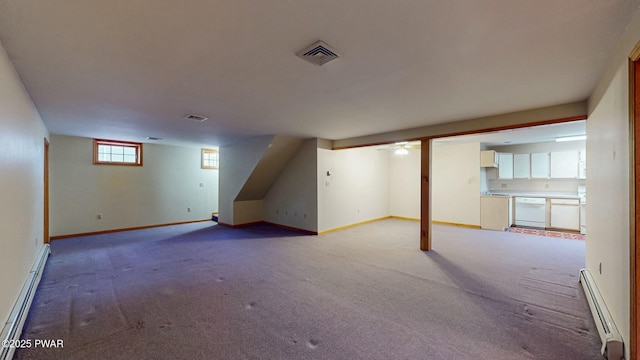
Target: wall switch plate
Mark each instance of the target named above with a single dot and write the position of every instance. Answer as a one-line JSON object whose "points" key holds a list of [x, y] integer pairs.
{"points": [[99, 216]]}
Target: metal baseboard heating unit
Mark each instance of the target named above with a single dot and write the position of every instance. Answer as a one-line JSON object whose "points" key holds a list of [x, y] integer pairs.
{"points": [[13, 327], [612, 344]]}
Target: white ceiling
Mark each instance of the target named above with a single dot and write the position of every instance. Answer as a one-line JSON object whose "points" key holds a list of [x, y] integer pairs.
{"points": [[127, 69]]}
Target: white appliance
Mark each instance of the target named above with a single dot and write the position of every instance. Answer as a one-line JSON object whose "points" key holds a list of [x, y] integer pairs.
{"points": [[531, 212]]}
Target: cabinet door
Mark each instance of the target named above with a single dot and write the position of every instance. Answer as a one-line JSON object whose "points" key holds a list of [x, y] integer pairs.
{"points": [[488, 158], [505, 166], [582, 165], [521, 166], [565, 216], [564, 164], [540, 165]]}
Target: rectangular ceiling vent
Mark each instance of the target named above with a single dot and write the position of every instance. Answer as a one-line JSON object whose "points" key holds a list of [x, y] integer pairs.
{"points": [[319, 53], [197, 118]]}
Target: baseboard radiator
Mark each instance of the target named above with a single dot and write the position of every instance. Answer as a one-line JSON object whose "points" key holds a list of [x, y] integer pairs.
{"points": [[13, 327], [612, 344]]}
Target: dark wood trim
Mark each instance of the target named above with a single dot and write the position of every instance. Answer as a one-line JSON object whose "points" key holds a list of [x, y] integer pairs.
{"points": [[425, 198], [45, 236], [59, 237], [634, 123]]}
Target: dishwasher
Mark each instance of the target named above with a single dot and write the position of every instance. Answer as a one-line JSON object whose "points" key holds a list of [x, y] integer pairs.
{"points": [[531, 212]]}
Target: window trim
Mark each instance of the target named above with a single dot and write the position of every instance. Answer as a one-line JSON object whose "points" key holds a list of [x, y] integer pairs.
{"points": [[137, 146], [204, 151]]}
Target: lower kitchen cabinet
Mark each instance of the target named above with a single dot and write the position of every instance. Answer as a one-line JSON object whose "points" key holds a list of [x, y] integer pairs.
{"points": [[565, 214], [495, 212]]}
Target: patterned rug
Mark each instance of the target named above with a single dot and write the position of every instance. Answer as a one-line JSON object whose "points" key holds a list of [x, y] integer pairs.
{"points": [[558, 234]]}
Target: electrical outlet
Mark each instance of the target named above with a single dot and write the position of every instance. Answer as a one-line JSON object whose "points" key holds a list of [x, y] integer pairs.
{"points": [[188, 209], [99, 216], [503, 185], [201, 184]]}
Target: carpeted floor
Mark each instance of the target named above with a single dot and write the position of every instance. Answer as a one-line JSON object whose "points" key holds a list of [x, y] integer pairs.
{"points": [[202, 291], [539, 232]]}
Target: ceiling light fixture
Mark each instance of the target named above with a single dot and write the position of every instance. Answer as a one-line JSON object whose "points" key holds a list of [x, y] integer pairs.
{"points": [[401, 151], [571, 138]]}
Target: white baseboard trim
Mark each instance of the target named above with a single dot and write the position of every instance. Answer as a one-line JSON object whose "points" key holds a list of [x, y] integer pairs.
{"points": [[13, 327]]}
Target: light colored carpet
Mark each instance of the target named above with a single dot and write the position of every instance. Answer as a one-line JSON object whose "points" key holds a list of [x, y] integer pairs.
{"points": [[202, 291]]}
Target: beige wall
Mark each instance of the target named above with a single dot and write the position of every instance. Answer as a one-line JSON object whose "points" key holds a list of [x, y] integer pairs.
{"points": [[22, 136], [357, 189], [293, 199], [404, 184], [608, 178], [237, 162], [159, 192], [455, 183]]}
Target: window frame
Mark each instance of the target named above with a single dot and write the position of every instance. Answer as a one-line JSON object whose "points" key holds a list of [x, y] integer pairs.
{"points": [[137, 146], [209, 151]]}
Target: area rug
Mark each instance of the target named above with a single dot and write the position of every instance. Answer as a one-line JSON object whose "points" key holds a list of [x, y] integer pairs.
{"points": [[539, 232]]}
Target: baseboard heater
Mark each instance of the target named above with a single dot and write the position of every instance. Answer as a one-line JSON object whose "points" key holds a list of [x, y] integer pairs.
{"points": [[612, 344], [13, 327]]}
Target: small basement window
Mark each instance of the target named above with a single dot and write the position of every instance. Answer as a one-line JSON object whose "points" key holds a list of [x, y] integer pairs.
{"points": [[210, 159], [112, 152]]}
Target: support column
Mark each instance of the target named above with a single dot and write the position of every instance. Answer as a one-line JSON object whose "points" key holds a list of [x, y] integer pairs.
{"points": [[425, 200]]}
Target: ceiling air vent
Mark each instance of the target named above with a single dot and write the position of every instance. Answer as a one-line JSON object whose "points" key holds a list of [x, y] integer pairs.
{"points": [[319, 53], [197, 118]]}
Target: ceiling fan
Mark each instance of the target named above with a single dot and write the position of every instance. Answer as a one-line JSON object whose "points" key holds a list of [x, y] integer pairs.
{"points": [[401, 148]]}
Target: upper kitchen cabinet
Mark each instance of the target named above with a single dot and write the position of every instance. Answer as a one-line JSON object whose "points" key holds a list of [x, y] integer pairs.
{"points": [[488, 158], [540, 165], [521, 166], [564, 164], [505, 166], [582, 165]]}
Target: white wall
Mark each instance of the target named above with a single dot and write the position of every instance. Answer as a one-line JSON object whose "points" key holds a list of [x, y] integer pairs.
{"points": [[159, 192], [22, 136], [404, 184], [293, 199], [357, 189], [237, 162], [608, 177], [608, 198], [455, 183]]}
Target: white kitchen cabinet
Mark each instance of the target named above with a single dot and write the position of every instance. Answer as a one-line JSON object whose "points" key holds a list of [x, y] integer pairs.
{"points": [[565, 214], [540, 165], [505, 166], [521, 166], [564, 164], [582, 165], [488, 158]]}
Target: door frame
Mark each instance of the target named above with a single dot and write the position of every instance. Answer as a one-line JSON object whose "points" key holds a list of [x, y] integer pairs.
{"points": [[45, 236], [426, 173], [634, 244]]}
